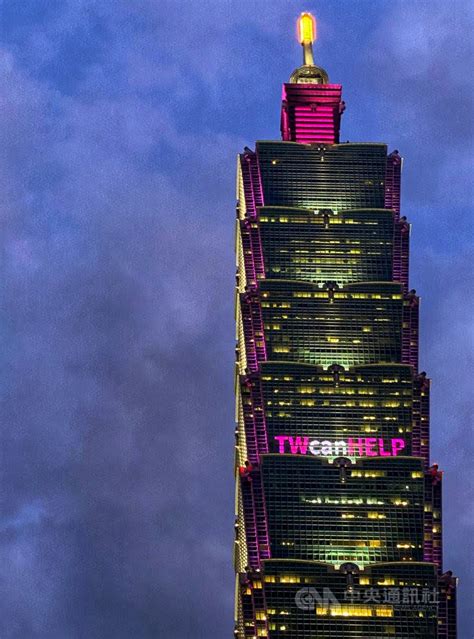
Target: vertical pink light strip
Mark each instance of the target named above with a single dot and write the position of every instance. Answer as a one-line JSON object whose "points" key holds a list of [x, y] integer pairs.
{"points": [[257, 251], [393, 182], [259, 416], [433, 542], [251, 535], [416, 422], [253, 192], [249, 262], [425, 420], [261, 517], [438, 536], [251, 182], [258, 329], [249, 336], [401, 245], [428, 520], [251, 439], [410, 330], [245, 162]]}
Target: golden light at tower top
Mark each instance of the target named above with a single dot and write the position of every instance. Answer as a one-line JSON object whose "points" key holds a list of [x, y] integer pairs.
{"points": [[308, 72], [306, 36]]}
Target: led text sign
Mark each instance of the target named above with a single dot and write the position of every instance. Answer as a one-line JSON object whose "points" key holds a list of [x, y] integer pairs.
{"points": [[352, 447]]}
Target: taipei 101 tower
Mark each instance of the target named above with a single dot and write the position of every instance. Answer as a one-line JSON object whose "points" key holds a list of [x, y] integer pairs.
{"points": [[338, 529]]}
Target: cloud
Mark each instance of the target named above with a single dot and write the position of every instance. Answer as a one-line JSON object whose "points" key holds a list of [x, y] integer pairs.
{"points": [[114, 268], [116, 194]]}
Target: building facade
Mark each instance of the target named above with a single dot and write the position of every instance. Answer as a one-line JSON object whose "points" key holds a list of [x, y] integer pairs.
{"points": [[338, 529]]}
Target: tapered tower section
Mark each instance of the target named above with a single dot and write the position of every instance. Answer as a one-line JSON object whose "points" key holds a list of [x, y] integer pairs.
{"points": [[338, 506]]}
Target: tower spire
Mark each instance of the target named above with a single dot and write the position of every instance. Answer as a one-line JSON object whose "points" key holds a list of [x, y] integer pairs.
{"points": [[307, 35], [308, 73]]}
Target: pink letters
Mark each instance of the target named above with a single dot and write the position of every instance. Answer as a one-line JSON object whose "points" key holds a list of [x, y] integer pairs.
{"points": [[382, 452], [281, 439], [352, 446], [370, 442], [355, 446], [298, 445], [397, 446]]}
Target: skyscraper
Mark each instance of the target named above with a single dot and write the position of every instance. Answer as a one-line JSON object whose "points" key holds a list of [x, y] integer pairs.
{"points": [[338, 505]]}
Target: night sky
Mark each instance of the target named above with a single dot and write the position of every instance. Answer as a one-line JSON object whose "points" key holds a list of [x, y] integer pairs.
{"points": [[120, 121]]}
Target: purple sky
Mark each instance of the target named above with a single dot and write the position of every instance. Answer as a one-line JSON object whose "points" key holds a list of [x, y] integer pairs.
{"points": [[119, 126]]}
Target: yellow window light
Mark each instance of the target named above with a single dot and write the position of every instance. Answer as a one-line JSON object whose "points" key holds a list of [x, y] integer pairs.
{"points": [[290, 579]]}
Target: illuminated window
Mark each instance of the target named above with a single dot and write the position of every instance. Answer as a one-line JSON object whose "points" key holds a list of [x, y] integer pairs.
{"points": [[290, 579], [354, 610]]}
